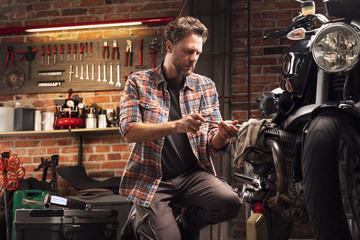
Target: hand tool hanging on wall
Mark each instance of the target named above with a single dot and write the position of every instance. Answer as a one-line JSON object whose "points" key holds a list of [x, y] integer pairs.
{"points": [[75, 50], [61, 52], [86, 49], [68, 51], [10, 54], [49, 54], [106, 50], [77, 71], [99, 74], [55, 53], [28, 56], [87, 72], [92, 72], [104, 80], [111, 75], [155, 46], [118, 84], [82, 72], [90, 51], [115, 51], [70, 73], [128, 53], [13, 78], [140, 54], [81, 51], [43, 48]]}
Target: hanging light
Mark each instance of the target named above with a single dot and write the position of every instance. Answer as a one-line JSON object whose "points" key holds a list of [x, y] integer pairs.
{"points": [[88, 25]]}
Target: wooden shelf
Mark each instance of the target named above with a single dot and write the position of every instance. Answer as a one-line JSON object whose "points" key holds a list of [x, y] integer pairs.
{"points": [[76, 131]]}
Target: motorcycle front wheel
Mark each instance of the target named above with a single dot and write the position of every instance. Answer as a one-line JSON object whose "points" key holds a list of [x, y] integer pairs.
{"points": [[331, 171]]}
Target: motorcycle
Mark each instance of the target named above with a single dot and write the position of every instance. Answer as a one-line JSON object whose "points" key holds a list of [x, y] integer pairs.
{"points": [[305, 165]]}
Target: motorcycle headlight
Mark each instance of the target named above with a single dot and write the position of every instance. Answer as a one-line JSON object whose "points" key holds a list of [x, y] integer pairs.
{"points": [[336, 47]]}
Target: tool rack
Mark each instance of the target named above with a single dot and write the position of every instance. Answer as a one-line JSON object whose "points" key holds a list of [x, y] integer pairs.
{"points": [[83, 65]]}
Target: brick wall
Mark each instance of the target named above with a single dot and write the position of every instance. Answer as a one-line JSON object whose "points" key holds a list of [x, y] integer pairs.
{"points": [[105, 156]]}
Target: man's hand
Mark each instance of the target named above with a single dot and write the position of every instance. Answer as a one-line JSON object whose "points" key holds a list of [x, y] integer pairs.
{"points": [[190, 123], [227, 130]]}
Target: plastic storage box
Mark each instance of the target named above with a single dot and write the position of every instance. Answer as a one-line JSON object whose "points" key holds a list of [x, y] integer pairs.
{"points": [[24, 119], [32, 195], [104, 221]]}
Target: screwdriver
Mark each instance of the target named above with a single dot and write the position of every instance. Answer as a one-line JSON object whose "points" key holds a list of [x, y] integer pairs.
{"points": [[42, 54], [61, 52], [69, 51], [216, 122], [49, 53]]}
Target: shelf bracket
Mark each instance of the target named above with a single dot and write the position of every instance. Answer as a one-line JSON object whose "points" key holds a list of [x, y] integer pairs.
{"points": [[80, 140]]}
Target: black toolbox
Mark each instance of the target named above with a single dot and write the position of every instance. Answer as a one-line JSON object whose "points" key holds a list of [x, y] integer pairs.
{"points": [[102, 222]]}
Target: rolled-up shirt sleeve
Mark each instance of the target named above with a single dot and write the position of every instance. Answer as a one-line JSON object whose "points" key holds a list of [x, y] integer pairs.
{"points": [[129, 107]]}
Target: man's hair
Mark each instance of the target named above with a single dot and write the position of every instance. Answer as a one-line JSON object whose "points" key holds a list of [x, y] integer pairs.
{"points": [[180, 27]]}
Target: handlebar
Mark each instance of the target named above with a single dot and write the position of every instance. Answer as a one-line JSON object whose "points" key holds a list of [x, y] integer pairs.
{"points": [[299, 21]]}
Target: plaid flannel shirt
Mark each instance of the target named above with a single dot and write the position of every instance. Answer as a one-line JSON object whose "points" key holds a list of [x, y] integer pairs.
{"points": [[146, 100]]}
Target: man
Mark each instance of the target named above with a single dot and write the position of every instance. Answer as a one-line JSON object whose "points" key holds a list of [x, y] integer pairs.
{"points": [[163, 115]]}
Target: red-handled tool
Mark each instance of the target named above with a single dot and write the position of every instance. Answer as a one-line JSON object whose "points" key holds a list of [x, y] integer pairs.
{"points": [[115, 51], [55, 53], [86, 49], [43, 48], [81, 51], [61, 52], [106, 50], [75, 50], [29, 56], [10, 54], [155, 46], [140, 54], [49, 54], [68, 51], [128, 53]]}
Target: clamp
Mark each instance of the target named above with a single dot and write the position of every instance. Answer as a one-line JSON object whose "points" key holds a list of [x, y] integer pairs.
{"points": [[128, 53]]}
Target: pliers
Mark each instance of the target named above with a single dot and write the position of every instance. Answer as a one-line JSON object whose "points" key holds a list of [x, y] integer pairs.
{"points": [[128, 53], [106, 49], [115, 51]]}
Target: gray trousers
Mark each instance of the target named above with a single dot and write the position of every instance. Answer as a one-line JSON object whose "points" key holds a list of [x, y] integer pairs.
{"points": [[206, 199]]}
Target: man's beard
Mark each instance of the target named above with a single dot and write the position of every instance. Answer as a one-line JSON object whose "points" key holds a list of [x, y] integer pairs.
{"points": [[180, 70]]}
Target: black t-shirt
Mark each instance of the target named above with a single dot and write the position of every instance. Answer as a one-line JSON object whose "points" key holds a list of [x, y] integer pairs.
{"points": [[177, 156]]}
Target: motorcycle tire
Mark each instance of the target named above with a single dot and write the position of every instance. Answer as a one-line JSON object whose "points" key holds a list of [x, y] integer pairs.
{"points": [[331, 167]]}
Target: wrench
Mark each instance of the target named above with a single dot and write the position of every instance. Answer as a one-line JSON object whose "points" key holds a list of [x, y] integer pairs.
{"points": [[71, 73], [87, 72], [99, 69], [104, 73], [92, 71], [77, 71], [118, 84], [82, 72], [111, 75]]}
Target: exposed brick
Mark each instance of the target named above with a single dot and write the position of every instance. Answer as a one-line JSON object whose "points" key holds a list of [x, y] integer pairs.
{"points": [[102, 149], [113, 165], [73, 11], [45, 14]]}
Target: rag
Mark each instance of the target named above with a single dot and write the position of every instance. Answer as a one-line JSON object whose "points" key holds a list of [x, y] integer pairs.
{"points": [[247, 138]]}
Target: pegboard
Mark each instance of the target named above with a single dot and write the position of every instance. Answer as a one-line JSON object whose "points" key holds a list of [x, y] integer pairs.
{"points": [[53, 73]]}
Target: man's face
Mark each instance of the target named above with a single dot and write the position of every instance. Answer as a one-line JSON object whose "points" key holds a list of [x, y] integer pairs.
{"points": [[185, 53]]}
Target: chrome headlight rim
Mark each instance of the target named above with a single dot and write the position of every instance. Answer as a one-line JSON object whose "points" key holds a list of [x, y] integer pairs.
{"points": [[331, 28]]}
